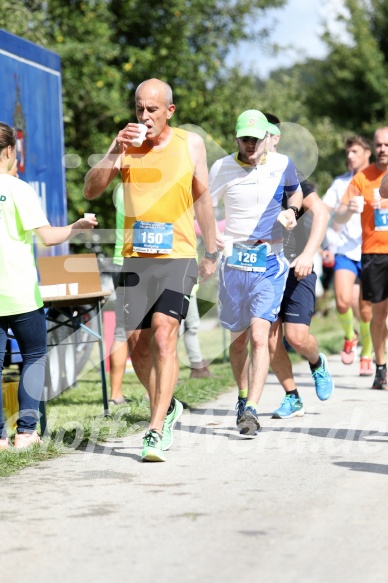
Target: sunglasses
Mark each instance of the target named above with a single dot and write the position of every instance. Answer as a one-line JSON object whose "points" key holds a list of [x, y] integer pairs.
{"points": [[246, 139]]}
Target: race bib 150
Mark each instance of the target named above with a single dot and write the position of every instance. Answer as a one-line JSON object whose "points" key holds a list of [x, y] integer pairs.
{"points": [[152, 237]]}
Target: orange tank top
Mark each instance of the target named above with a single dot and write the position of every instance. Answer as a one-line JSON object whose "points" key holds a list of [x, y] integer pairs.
{"points": [[158, 200], [363, 183]]}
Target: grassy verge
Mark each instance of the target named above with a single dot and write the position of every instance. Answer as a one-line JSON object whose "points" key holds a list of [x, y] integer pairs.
{"points": [[75, 418]]}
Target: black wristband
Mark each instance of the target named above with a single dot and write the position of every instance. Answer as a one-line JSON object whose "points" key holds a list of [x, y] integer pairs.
{"points": [[296, 211], [211, 255]]}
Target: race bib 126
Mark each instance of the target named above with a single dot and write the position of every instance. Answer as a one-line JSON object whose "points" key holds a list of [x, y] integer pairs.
{"points": [[248, 258]]}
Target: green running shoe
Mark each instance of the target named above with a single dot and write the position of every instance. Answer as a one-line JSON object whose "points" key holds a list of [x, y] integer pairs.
{"points": [[169, 424], [152, 450]]}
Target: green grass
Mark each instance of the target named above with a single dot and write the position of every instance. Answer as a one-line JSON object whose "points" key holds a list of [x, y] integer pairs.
{"points": [[75, 418], [329, 333]]}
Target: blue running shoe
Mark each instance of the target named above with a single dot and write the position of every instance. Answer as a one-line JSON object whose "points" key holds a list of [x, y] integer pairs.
{"points": [[240, 406], [291, 406], [249, 422], [324, 384]]}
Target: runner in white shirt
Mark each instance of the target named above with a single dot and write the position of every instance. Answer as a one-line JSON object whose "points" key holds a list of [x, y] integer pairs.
{"points": [[251, 184], [347, 268]]}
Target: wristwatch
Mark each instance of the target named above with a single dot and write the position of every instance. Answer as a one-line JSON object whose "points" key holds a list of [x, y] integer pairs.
{"points": [[296, 211], [211, 255]]}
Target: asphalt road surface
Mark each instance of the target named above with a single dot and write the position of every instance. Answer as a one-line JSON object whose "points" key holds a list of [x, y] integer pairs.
{"points": [[304, 501]]}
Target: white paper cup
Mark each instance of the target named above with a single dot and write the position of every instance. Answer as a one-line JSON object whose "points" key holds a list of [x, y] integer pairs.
{"points": [[137, 142], [360, 203], [228, 248], [61, 289], [48, 291], [73, 289], [283, 220], [89, 215]]}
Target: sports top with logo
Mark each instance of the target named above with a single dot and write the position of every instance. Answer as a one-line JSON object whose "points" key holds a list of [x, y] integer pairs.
{"points": [[374, 240], [159, 218], [20, 213], [253, 195]]}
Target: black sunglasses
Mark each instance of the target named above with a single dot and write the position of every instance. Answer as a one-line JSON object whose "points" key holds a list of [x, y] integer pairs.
{"points": [[247, 139]]}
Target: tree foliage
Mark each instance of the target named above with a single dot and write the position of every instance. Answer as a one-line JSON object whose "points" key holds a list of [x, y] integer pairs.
{"points": [[109, 46], [344, 94], [351, 85]]}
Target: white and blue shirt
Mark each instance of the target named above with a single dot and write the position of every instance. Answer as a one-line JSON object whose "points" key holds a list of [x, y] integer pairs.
{"points": [[252, 195], [349, 237]]}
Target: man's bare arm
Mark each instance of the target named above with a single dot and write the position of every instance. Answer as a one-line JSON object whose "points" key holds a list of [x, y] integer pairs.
{"points": [[202, 203], [348, 205], [304, 262], [102, 174], [288, 214]]}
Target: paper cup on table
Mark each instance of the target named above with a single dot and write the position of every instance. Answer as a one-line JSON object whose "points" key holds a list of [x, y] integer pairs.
{"points": [[61, 289], [48, 291], [73, 289], [228, 248], [360, 203], [137, 142]]}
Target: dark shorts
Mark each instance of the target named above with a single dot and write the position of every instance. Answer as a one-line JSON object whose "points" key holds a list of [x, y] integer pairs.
{"points": [[298, 302], [374, 277], [118, 284], [157, 285]]}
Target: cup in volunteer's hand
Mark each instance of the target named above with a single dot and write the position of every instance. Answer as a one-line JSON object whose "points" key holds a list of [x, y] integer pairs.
{"points": [[359, 200], [89, 215], [137, 142]]}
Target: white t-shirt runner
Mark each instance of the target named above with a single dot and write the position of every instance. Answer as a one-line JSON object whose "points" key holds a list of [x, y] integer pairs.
{"points": [[20, 213], [253, 195], [349, 236]]}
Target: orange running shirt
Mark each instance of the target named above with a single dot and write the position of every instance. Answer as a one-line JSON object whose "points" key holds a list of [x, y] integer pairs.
{"points": [[363, 184], [158, 189]]}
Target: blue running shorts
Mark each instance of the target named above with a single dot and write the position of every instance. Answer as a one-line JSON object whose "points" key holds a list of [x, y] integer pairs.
{"points": [[244, 295], [343, 262]]}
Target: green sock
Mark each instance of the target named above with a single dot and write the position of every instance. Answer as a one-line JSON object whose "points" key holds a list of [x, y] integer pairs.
{"points": [[243, 394], [346, 321], [252, 404], [366, 339]]}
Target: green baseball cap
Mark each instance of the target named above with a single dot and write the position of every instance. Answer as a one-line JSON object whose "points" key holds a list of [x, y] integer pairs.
{"points": [[273, 129], [252, 123], [273, 122]]}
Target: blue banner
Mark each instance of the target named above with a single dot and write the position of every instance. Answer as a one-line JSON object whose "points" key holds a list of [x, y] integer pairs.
{"points": [[31, 102]]}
